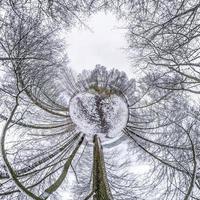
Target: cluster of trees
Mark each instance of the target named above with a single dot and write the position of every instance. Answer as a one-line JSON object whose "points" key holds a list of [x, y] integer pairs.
{"points": [[40, 145]]}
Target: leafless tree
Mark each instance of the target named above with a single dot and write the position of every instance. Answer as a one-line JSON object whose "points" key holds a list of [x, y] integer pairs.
{"points": [[41, 146], [166, 35]]}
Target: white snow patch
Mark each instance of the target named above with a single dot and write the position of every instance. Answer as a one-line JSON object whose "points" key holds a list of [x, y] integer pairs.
{"points": [[98, 114]]}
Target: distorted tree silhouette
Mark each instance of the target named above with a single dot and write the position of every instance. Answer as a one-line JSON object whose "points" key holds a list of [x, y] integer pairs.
{"points": [[99, 125]]}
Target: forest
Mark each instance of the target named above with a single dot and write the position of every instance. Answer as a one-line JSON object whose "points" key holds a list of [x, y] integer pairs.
{"points": [[100, 134]]}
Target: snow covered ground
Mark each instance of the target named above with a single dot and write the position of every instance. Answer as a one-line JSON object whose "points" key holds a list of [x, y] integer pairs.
{"points": [[93, 114]]}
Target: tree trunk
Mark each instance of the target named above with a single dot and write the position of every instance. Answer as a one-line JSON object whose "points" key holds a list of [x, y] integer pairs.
{"points": [[101, 187]]}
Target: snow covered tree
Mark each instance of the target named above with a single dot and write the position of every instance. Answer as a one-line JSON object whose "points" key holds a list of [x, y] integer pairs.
{"points": [[116, 137]]}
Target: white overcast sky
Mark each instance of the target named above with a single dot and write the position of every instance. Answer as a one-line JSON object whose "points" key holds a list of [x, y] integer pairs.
{"points": [[104, 43]]}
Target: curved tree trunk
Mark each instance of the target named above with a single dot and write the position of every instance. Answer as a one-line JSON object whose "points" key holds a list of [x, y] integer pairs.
{"points": [[63, 175]]}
